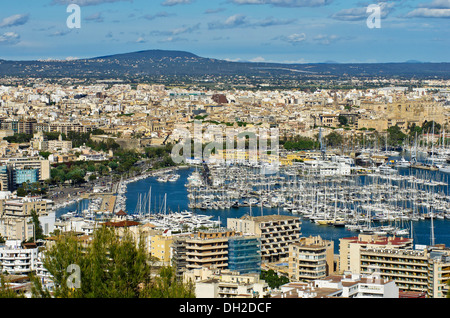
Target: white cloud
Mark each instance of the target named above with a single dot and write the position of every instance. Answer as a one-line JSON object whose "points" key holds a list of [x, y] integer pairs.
{"points": [[86, 2], [296, 38], [434, 9], [325, 39], [429, 13], [436, 4], [286, 3], [186, 29], [14, 20], [293, 39], [231, 22], [175, 2], [240, 20], [9, 38], [61, 32], [360, 13]]}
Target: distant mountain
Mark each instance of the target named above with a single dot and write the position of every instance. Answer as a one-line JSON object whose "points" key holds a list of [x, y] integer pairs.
{"points": [[148, 54], [157, 63]]}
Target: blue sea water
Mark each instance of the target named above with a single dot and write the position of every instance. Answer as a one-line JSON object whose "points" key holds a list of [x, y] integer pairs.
{"points": [[175, 196]]}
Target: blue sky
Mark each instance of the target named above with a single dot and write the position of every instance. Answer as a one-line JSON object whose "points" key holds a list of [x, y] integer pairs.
{"points": [[293, 31]]}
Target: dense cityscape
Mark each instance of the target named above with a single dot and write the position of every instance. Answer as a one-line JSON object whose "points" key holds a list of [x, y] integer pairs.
{"points": [[62, 144]]}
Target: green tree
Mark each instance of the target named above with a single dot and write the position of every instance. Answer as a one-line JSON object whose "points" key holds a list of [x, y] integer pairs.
{"points": [[76, 176], [5, 291], [413, 129], [21, 192], [45, 154], [343, 120], [272, 279], [109, 268], [427, 126], [167, 285], [113, 165], [334, 139], [66, 251], [300, 143], [19, 138], [395, 136], [38, 232]]}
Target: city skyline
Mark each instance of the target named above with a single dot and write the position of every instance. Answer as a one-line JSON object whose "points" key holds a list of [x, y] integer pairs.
{"points": [[284, 31]]}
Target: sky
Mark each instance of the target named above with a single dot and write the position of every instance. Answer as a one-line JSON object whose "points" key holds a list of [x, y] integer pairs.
{"points": [[285, 31]]}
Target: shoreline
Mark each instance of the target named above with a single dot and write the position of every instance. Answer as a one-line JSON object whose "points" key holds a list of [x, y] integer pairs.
{"points": [[74, 195]]}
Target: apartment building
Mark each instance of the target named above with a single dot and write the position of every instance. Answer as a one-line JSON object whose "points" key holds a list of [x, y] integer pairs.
{"points": [[178, 253], [16, 259], [438, 273], [312, 258], [160, 248], [277, 233], [244, 254], [66, 127], [341, 286], [3, 178], [26, 126], [408, 268], [226, 284], [350, 248], [425, 270], [15, 215], [208, 248], [25, 164]]}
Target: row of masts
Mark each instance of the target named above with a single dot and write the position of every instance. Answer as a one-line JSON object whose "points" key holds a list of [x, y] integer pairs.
{"points": [[350, 199]]}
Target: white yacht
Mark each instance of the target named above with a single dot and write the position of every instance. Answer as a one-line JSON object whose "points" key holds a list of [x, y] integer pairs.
{"points": [[444, 168], [385, 169], [163, 178], [173, 177], [403, 163]]}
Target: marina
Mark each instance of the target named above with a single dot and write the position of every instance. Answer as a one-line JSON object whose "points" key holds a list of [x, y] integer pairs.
{"points": [[407, 202]]}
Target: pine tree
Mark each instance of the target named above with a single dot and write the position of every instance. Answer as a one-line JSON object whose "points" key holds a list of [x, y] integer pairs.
{"points": [[167, 285], [5, 291], [110, 267], [38, 232]]}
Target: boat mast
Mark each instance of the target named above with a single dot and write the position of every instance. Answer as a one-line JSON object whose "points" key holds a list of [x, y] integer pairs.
{"points": [[432, 231], [149, 201]]}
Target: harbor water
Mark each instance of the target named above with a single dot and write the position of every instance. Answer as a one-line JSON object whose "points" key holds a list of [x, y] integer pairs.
{"points": [[173, 196]]}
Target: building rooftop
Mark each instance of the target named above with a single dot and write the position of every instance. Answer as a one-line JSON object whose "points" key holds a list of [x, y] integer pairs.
{"points": [[378, 240], [268, 218], [122, 223]]}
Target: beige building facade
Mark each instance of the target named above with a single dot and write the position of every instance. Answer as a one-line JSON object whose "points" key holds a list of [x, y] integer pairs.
{"points": [[311, 258]]}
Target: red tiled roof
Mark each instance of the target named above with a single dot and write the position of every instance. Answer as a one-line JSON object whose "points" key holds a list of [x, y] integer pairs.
{"points": [[121, 212], [122, 223], [411, 294], [393, 240]]}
